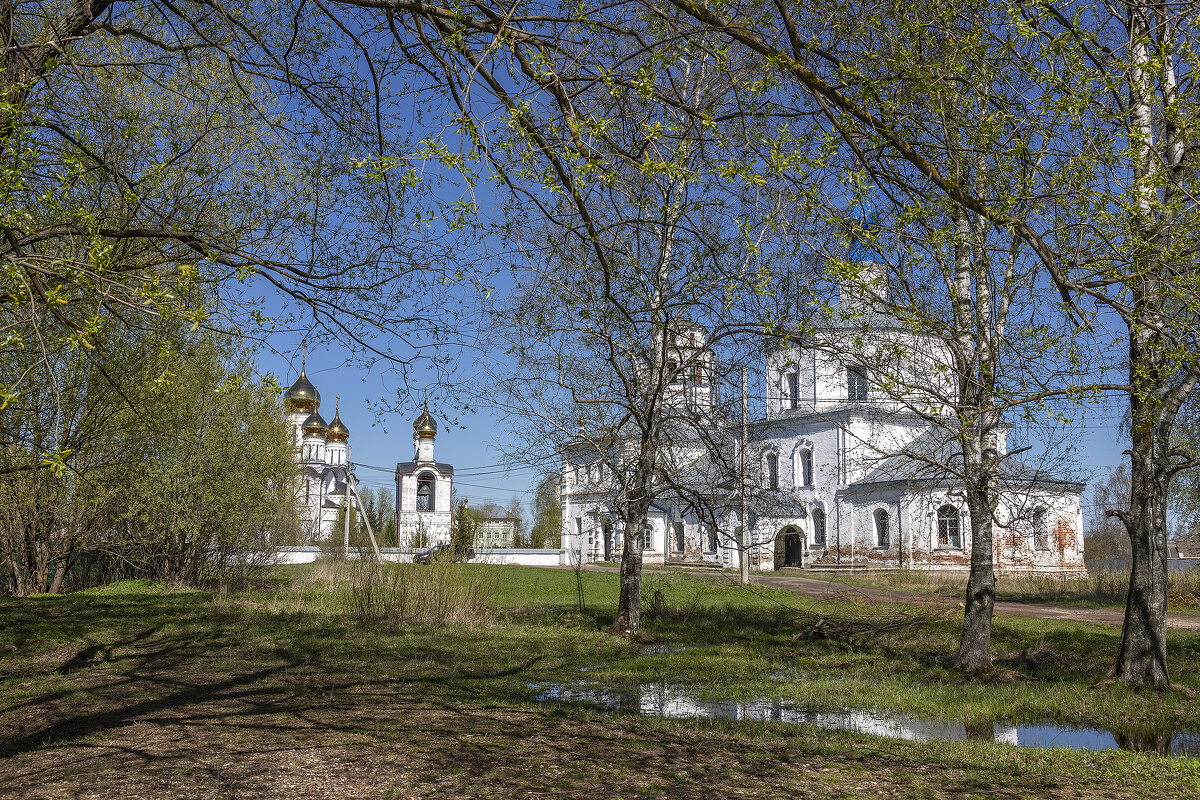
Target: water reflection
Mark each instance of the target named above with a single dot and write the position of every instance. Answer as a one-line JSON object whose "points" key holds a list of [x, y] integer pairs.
{"points": [[673, 702]]}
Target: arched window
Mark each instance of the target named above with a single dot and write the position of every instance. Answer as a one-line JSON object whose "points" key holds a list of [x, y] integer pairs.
{"points": [[772, 471], [425, 493], [1041, 535], [806, 468], [883, 536], [818, 518], [949, 534]]}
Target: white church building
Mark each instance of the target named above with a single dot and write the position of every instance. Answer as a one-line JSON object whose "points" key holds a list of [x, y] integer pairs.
{"points": [[842, 473], [423, 490], [323, 455]]}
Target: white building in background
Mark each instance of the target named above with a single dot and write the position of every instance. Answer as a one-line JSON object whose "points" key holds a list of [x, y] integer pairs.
{"points": [[423, 488], [496, 532], [323, 454], [843, 474]]}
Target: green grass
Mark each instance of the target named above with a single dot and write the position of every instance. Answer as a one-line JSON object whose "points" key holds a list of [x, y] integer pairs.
{"points": [[137, 689]]}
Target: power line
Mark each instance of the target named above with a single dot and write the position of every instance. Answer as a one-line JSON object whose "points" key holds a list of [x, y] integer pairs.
{"points": [[486, 469], [496, 488]]}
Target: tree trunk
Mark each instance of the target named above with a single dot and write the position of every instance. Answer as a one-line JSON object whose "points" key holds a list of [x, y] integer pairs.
{"points": [[629, 605], [975, 646], [1142, 654]]}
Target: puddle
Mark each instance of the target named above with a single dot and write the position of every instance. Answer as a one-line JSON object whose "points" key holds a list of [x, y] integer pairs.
{"points": [[672, 702]]}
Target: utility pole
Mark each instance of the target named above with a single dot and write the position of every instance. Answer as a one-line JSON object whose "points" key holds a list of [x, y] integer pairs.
{"points": [[351, 486], [744, 544], [346, 511]]}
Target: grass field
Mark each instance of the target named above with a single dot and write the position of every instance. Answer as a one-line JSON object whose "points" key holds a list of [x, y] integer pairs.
{"points": [[411, 683]]}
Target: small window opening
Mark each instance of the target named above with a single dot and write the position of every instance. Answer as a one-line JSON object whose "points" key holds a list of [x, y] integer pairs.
{"points": [[772, 471], [818, 518], [806, 467]]}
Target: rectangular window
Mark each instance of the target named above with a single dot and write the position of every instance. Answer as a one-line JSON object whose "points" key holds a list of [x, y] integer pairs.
{"points": [[818, 518], [949, 534], [856, 383], [1041, 536], [806, 467], [793, 384]]}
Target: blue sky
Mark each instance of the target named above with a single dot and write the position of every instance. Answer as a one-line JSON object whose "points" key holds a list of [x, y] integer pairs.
{"points": [[381, 439]]}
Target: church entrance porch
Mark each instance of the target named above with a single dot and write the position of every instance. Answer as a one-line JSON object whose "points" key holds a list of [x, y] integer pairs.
{"points": [[789, 548]]}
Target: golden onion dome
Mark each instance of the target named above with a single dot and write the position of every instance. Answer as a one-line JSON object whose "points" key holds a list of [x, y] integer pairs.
{"points": [[314, 425], [337, 430], [425, 425], [302, 395]]}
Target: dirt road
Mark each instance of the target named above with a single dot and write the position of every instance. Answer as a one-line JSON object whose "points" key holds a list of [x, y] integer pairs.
{"points": [[811, 587]]}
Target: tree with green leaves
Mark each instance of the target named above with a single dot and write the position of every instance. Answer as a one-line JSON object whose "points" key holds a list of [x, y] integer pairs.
{"points": [[546, 530], [179, 470], [215, 481], [464, 525], [183, 162]]}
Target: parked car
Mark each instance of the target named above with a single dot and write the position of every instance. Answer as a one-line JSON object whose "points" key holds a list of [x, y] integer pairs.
{"points": [[445, 552]]}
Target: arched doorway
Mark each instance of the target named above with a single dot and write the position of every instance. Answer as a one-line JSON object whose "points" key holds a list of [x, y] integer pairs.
{"points": [[789, 548]]}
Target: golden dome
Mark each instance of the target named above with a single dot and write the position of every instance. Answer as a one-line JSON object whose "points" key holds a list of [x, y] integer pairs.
{"points": [[425, 425], [314, 425], [337, 430], [302, 395]]}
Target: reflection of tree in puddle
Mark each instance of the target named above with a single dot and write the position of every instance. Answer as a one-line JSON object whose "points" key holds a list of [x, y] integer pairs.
{"points": [[629, 703], [981, 731], [1145, 741]]}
